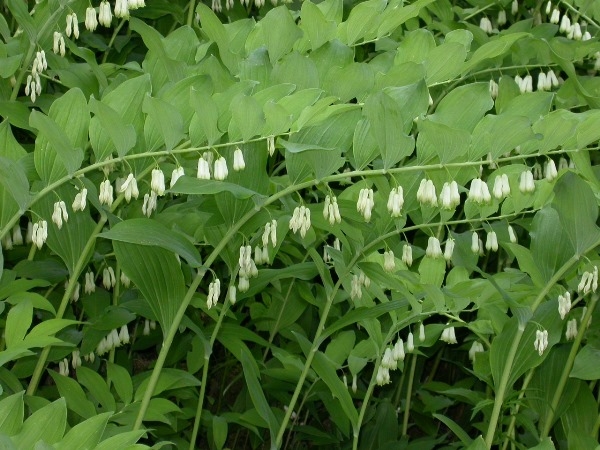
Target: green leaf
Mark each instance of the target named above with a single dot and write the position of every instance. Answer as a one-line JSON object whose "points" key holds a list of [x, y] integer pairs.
{"points": [[587, 133], [438, 143], [97, 388], [456, 428], [497, 135], [11, 414], [252, 377], [216, 32], [18, 322], [14, 180], [206, 110], [37, 301], [495, 47], [545, 229], [86, 434], [477, 444], [122, 135], [280, 32], [432, 271], [248, 116], [384, 116], [586, 365], [364, 147], [72, 392], [120, 378], [395, 15], [164, 124], [20, 12], [121, 440], [578, 210], [47, 424], [326, 370], [159, 279], [362, 22], [445, 62], [219, 428], [318, 29], [194, 186], [150, 232], [464, 106], [169, 379]]}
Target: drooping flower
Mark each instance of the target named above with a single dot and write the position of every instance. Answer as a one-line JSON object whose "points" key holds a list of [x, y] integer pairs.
{"points": [[91, 21], [395, 201], [40, 233], [434, 249], [477, 347], [564, 304], [220, 170], [389, 262], [407, 256], [80, 200], [158, 182], [449, 249], [104, 14], [106, 193], [449, 336], [300, 220], [541, 341], [365, 203], [129, 187], [491, 242], [238, 160]]}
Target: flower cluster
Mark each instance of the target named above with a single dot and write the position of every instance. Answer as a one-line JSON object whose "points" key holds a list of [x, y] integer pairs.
{"points": [[501, 187], [391, 357], [261, 256], [491, 243], [157, 184], [331, 210], [247, 268], [129, 187], [91, 20], [426, 193], [60, 213], [395, 201], [434, 250], [150, 203], [39, 233], [479, 192], [106, 193], [358, 281], [449, 336], [300, 220], [547, 81], [541, 341], [16, 238], [526, 184], [108, 278], [112, 340], [80, 200], [449, 195], [564, 304], [104, 14], [148, 325], [571, 332], [365, 203], [90, 283], [58, 43], [389, 261], [589, 281], [525, 84], [214, 292], [33, 86], [63, 367], [407, 256], [72, 26]]}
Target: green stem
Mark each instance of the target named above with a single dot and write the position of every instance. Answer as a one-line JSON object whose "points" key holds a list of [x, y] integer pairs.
{"points": [[191, 10], [363, 408], [513, 419], [501, 391], [413, 366], [112, 40], [568, 366]]}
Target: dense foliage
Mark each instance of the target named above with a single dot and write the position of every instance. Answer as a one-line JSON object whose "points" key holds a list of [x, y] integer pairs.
{"points": [[368, 225]]}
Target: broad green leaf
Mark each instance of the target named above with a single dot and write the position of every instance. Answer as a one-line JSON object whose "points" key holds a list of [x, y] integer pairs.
{"points": [[37, 301], [432, 271], [326, 370], [97, 388], [532, 105], [248, 116], [318, 29], [150, 232], [121, 440], [546, 228], [164, 124], [456, 428], [438, 143], [252, 377], [413, 100], [445, 62], [363, 21], [72, 392], [159, 279], [280, 32], [297, 69], [14, 183], [18, 322], [219, 428], [120, 378], [497, 135], [384, 115], [492, 49], [194, 186], [478, 444], [396, 14], [216, 32], [586, 365], [578, 211], [168, 379], [339, 348], [21, 14], [47, 424], [464, 106], [556, 128], [86, 434], [121, 135], [581, 413], [11, 414], [48, 327], [364, 147], [208, 114], [353, 81], [587, 133]]}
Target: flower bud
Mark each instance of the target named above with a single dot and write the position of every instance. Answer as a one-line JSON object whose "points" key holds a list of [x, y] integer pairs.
{"points": [[158, 182], [238, 160], [91, 22], [80, 200], [104, 14]]}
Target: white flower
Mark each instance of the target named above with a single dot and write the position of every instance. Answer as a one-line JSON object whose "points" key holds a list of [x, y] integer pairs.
{"points": [[396, 201], [479, 192], [146, 331], [58, 45], [548, 7], [203, 169], [60, 213], [214, 291], [421, 332], [354, 383], [243, 284], [158, 181], [477, 347], [388, 361], [426, 193], [176, 175], [564, 304], [271, 145], [511, 235], [493, 88], [63, 367], [551, 172], [398, 351], [576, 30], [410, 342], [17, 236], [565, 24], [449, 336], [106, 193], [125, 281], [238, 160], [220, 171], [389, 262], [129, 187], [232, 294], [434, 249], [331, 210], [449, 249], [90, 283], [491, 243], [150, 203], [76, 291], [586, 36], [555, 17], [571, 332], [104, 14], [449, 196], [486, 25], [122, 9], [589, 281], [365, 203], [356, 291], [407, 256], [501, 187], [541, 341], [552, 77], [75, 359], [7, 243], [91, 21], [113, 338], [475, 243], [526, 184], [124, 335], [514, 8], [300, 220], [135, 4], [40, 233], [72, 26], [541, 84], [108, 278], [383, 376], [501, 17], [80, 200]]}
